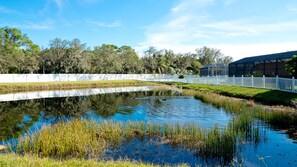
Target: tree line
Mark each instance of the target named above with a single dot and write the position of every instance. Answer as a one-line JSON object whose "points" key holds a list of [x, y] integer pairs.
{"points": [[18, 54]]}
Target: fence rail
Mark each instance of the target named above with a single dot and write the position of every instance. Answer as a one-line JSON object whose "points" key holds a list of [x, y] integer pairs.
{"points": [[275, 83]]}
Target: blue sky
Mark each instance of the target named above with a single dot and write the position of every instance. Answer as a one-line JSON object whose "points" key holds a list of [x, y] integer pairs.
{"points": [[238, 27]]}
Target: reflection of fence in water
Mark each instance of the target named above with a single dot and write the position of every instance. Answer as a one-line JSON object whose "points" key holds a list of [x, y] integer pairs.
{"points": [[276, 83]]}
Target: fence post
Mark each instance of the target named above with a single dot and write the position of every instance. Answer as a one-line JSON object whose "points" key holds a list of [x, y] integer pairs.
{"points": [[264, 81], [276, 82], [242, 80], [233, 80], [293, 84], [252, 81]]}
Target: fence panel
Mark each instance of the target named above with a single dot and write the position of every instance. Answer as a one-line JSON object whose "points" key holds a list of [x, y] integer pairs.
{"points": [[283, 84], [247, 81], [270, 83], [258, 82]]}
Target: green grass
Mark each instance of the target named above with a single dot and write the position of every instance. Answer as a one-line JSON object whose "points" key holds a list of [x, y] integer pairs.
{"points": [[257, 94], [7, 160], [13, 87], [87, 138]]}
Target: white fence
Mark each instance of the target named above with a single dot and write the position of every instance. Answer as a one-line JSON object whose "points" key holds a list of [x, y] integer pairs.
{"points": [[276, 83]]}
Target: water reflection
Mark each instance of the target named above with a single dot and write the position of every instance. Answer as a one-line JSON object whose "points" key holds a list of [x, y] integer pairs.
{"points": [[70, 93], [161, 106]]}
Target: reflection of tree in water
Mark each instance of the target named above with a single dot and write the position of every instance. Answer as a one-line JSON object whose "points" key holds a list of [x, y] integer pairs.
{"points": [[65, 108], [12, 113], [12, 117], [107, 105]]}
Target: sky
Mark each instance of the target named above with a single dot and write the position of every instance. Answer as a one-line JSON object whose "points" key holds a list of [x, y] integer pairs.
{"points": [[239, 28]]}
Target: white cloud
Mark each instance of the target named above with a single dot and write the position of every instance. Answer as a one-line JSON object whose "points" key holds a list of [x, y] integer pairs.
{"points": [[190, 5], [189, 25], [238, 51], [113, 24], [60, 3], [43, 25]]}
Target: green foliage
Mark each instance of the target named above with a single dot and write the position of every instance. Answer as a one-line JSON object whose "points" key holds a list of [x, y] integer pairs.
{"points": [[18, 54], [291, 66], [257, 74], [211, 56]]}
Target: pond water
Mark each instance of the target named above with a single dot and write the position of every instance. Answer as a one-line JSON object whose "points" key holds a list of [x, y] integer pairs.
{"points": [[30, 111]]}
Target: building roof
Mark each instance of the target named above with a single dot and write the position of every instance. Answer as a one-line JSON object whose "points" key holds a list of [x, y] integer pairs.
{"points": [[275, 56], [221, 65]]}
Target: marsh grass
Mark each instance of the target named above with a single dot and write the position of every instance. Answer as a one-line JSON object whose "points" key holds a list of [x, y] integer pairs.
{"points": [[90, 139], [15, 87], [277, 116]]}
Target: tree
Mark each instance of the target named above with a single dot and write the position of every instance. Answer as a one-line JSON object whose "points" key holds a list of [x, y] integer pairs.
{"points": [[129, 59], [149, 60], [291, 66], [225, 60], [106, 60], [18, 53], [211, 56]]}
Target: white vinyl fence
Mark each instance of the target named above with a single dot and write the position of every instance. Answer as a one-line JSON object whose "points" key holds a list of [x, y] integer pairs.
{"points": [[276, 83]]}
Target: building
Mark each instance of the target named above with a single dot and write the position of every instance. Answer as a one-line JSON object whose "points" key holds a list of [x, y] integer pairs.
{"points": [[270, 65], [214, 70]]}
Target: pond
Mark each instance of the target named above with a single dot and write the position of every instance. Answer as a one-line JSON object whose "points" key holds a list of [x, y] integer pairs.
{"points": [[29, 111]]}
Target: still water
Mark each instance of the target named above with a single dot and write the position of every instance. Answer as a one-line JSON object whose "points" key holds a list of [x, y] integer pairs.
{"points": [[29, 111]]}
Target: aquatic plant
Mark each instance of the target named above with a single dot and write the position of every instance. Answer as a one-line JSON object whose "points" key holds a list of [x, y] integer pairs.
{"points": [[88, 138], [278, 116]]}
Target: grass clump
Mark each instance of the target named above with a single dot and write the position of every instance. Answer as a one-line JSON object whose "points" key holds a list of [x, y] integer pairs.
{"points": [[66, 139]]}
